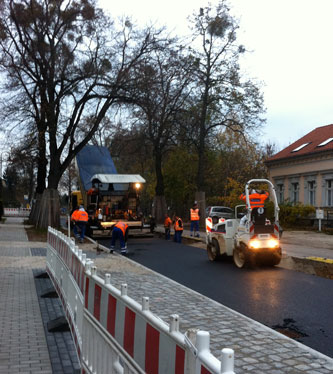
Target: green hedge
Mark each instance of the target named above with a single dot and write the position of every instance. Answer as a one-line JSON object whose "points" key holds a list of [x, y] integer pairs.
{"points": [[295, 215]]}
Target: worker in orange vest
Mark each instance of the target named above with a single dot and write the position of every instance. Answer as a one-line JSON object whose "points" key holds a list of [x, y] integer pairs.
{"points": [[178, 226], [80, 219], [257, 198], [167, 226], [120, 231], [195, 217]]}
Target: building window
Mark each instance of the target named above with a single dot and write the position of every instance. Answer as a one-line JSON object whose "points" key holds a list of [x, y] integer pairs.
{"points": [[300, 147], [280, 193], [312, 192], [294, 192], [329, 192]]}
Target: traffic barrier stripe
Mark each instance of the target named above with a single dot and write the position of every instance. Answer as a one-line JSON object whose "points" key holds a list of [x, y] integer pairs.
{"points": [[94, 303], [155, 351]]}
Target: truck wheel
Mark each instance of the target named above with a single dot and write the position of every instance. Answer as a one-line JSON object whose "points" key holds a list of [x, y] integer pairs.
{"points": [[240, 256], [213, 250]]}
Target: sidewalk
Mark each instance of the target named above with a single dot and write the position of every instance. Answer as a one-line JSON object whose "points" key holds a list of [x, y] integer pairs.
{"points": [[26, 345], [23, 346]]}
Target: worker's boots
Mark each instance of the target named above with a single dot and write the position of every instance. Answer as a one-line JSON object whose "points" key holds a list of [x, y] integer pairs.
{"points": [[123, 251]]}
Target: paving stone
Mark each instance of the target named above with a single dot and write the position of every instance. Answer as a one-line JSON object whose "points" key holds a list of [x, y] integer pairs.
{"points": [[23, 344]]}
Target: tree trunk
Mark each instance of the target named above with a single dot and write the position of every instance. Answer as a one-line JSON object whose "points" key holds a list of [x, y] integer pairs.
{"points": [[160, 208], [159, 189], [49, 212], [33, 217], [200, 198]]}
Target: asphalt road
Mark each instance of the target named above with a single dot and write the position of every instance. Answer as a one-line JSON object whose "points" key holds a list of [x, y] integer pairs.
{"points": [[298, 303]]}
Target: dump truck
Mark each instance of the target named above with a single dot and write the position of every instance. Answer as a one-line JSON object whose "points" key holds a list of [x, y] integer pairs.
{"points": [[251, 240], [107, 196]]}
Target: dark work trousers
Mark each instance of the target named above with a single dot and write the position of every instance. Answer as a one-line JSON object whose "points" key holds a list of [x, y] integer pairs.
{"points": [[82, 227], [167, 233], [117, 233], [178, 236]]}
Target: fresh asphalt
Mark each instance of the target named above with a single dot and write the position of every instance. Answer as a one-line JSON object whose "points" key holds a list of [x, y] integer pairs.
{"points": [[289, 301]]}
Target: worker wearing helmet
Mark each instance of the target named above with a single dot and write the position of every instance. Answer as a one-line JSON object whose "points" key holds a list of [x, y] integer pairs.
{"points": [[120, 231], [195, 217], [257, 198], [80, 219]]}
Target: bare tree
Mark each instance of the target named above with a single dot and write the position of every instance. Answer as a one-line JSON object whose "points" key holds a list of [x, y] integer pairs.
{"points": [[66, 64], [222, 97], [161, 91]]}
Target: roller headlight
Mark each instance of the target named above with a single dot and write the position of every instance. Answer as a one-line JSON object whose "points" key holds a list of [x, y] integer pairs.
{"points": [[273, 243], [254, 243]]}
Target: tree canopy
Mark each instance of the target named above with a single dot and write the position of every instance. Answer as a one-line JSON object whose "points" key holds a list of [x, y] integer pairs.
{"points": [[66, 66]]}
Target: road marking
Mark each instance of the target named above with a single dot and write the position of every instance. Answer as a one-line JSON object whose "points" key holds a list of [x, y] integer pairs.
{"points": [[321, 259]]}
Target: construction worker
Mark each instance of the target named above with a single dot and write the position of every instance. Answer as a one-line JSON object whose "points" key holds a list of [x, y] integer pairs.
{"points": [[120, 231], [257, 198], [80, 219], [178, 226], [195, 217], [167, 226]]}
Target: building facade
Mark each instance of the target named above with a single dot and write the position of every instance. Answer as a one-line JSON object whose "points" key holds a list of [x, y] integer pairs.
{"points": [[303, 171]]}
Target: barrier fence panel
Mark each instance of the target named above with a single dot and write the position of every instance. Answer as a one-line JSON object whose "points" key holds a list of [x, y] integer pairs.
{"points": [[16, 212], [115, 334], [65, 265]]}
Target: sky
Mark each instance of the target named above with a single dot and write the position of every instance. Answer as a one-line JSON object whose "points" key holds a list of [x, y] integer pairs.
{"points": [[290, 52]]}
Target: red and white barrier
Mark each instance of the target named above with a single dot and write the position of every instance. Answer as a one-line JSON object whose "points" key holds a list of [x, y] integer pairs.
{"points": [[16, 212], [145, 338], [65, 265], [115, 334]]}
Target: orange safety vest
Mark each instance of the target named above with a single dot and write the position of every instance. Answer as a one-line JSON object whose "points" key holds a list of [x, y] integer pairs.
{"points": [[167, 222], [179, 225], [257, 200], [74, 215], [82, 216], [122, 226], [195, 214]]}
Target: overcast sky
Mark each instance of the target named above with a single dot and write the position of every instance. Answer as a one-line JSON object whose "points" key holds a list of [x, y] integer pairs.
{"points": [[291, 53]]}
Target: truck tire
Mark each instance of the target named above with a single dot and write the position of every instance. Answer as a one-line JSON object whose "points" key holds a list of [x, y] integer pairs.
{"points": [[213, 250], [242, 258]]}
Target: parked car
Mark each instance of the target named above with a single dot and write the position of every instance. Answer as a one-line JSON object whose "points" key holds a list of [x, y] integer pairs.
{"points": [[217, 212]]}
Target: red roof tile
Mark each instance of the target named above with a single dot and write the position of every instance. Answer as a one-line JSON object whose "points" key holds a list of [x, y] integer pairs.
{"points": [[313, 138]]}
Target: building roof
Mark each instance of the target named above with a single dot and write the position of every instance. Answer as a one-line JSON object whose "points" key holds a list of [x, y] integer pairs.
{"points": [[317, 141], [93, 160]]}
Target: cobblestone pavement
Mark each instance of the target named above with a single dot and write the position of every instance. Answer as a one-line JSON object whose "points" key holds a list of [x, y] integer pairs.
{"points": [[258, 349], [23, 347], [63, 356], [26, 346]]}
